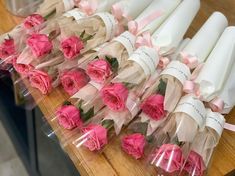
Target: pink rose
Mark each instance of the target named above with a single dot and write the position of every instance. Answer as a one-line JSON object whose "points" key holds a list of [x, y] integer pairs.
{"points": [[195, 164], [40, 80], [71, 47], [7, 48], [69, 117], [22, 68], [73, 80], [32, 21], [115, 96], [168, 157], [96, 137], [134, 145], [99, 70], [153, 106], [39, 44]]}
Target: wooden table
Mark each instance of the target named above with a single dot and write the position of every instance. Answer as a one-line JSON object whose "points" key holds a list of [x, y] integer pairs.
{"points": [[112, 161]]}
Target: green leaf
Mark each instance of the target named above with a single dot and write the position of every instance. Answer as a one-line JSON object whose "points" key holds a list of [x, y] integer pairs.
{"points": [[66, 103], [107, 124], [161, 87], [128, 85], [79, 105], [82, 34], [50, 14], [113, 62], [86, 116]]}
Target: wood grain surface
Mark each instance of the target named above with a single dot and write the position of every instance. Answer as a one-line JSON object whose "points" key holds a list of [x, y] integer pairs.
{"points": [[112, 162]]}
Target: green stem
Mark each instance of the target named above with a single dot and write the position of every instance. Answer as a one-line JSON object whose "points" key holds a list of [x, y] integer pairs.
{"points": [[50, 14], [107, 124]]}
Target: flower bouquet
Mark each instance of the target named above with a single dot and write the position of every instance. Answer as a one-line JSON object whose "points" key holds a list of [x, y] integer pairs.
{"points": [[204, 145], [215, 71], [174, 139]]}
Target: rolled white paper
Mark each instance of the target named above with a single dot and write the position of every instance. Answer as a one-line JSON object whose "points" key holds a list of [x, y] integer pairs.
{"points": [[129, 8], [228, 93], [164, 6], [171, 32], [205, 39], [218, 66], [180, 48], [101, 5]]}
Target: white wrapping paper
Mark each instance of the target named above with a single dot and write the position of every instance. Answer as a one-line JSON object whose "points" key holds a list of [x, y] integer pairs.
{"points": [[228, 92], [218, 66], [164, 6], [180, 48], [205, 39], [129, 9], [171, 32], [96, 5]]}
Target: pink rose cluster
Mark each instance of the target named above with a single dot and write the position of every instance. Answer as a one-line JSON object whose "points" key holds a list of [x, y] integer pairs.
{"points": [[96, 137], [134, 145], [73, 80], [32, 21], [7, 48], [41, 81], [71, 47], [99, 70], [114, 96], [21, 68], [69, 117], [168, 157], [153, 106], [194, 164], [39, 44]]}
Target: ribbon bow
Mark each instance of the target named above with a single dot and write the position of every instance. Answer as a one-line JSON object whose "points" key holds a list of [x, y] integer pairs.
{"points": [[88, 7], [217, 105], [189, 60]]}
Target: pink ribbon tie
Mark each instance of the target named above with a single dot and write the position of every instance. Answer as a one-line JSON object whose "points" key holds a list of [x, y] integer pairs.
{"points": [[189, 60], [88, 7], [164, 61], [217, 105], [144, 40], [117, 11]]}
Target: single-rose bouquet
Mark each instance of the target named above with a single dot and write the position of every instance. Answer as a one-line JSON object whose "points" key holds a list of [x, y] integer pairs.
{"points": [[215, 71], [204, 145], [174, 139]]}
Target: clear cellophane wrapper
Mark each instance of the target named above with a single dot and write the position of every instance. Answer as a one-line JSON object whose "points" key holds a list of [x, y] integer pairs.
{"points": [[174, 84], [174, 139], [203, 146], [59, 6], [95, 30], [110, 122], [40, 80]]}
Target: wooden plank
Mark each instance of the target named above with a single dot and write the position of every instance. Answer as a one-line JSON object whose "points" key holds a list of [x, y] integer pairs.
{"points": [[113, 162]]}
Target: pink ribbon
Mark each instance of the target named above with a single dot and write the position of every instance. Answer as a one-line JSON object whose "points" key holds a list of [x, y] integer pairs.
{"points": [[164, 61], [217, 104], [134, 27], [191, 87], [89, 7], [189, 60], [144, 40], [230, 127]]}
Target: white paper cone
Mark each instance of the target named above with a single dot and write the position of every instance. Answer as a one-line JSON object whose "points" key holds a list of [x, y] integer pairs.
{"points": [[171, 32], [129, 8], [218, 66], [102, 5], [228, 92], [205, 39], [164, 6], [180, 48]]}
